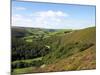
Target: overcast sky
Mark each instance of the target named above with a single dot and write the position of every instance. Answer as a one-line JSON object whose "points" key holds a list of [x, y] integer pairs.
{"points": [[55, 16]]}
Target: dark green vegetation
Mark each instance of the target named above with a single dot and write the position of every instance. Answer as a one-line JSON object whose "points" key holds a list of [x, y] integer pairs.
{"points": [[45, 50]]}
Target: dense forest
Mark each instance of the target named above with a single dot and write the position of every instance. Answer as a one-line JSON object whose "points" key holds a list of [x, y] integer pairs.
{"points": [[45, 50]]}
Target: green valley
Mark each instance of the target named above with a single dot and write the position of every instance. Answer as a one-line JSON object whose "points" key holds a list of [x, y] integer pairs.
{"points": [[49, 50]]}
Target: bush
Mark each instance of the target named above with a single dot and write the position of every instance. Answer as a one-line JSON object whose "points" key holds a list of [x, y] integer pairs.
{"points": [[86, 46], [37, 63], [23, 64], [20, 64]]}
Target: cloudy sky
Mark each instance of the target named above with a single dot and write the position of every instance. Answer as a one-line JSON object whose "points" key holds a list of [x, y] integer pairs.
{"points": [[55, 16]]}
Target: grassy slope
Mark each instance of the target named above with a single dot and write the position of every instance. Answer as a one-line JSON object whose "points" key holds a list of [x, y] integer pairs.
{"points": [[78, 60], [69, 44]]}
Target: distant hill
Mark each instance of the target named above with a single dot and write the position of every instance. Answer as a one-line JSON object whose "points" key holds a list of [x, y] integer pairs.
{"points": [[29, 32]]}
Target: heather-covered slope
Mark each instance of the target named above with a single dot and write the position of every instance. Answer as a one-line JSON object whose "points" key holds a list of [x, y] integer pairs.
{"points": [[67, 44], [76, 51]]}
